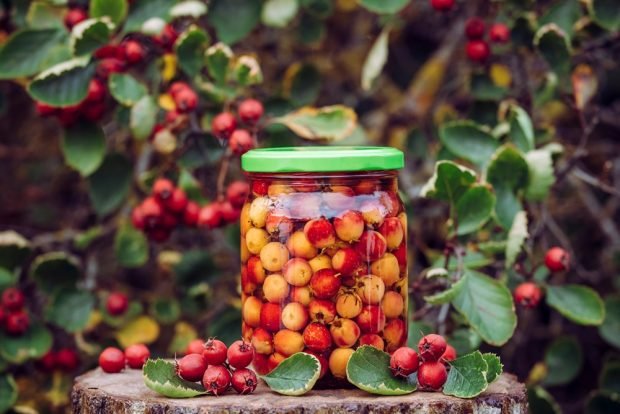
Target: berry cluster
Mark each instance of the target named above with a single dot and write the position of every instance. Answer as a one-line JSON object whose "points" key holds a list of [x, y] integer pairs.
{"points": [[225, 127], [13, 317], [477, 48], [112, 360], [91, 108], [219, 213], [324, 269], [65, 359], [529, 294], [219, 367], [430, 363]]}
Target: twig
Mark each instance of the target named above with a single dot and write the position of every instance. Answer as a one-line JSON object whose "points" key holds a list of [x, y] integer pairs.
{"points": [[593, 181], [581, 150], [221, 176]]}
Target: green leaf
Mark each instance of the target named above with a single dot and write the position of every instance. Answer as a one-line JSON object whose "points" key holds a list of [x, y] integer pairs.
{"points": [[445, 296], [469, 141], [296, 375], [487, 306], [330, 123], [143, 10], [601, 402], [376, 59], [14, 249], [508, 173], [561, 350], [190, 48], [196, 266], [126, 89], [168, 311], [63, 84], [110, 184], [605, 13], [247, 71], [416, 330], [541, 177], [305, 85], [6, 279], [90, 35], [33, 344], [131, 246], [578, 303], [26, 51], [311, 29], [55, 271], [83, 147], [610, 328], [44, 15], [234, 19], [8, 392], [610, 377], [143, 117], [116, 10], [541, 402], [218, 59], [564, 13], [369, 370], [471, 260], [226, 326], [553, 45], [160, 376], [449, 182], [516, 238], [464, 340], [494, 365], [71, 309], [521, 129], [384, 6], [474, 208], [467, 376], [190, 8], [279, 13]]}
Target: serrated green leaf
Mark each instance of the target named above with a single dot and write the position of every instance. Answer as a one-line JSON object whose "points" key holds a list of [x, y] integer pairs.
{"points": [[473, 209], [508, 173], [562, 349], [63, 84], [110, 184], [331, 123], [464, 340], [191, 8], [83, 147], [89, 35], [143, 117], [55, 271], [143, 10], [471, 260], [488, 307], [610, 328], [384, 6], [296, 375], [218, 59], [541, 177], [14, 249], [553, 44], [467, 376], [26, 51], [605, 13], [70, 309], [469, 141], [279, 13], [247, 71], [447, 295], [369, 370], [116, 10], [44, 15], [190, 48], [160, 376], [234, 19], [8, 392], [169, 310], [564, 13], [541, 402], [376, 59], [449, 182], [31, 345], [131, 246], [521, 129], [494, 366], [578, 303], [126, 89], [516, 237]]}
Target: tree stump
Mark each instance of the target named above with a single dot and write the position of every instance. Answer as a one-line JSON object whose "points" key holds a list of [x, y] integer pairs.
{"points": [[100, 393]]}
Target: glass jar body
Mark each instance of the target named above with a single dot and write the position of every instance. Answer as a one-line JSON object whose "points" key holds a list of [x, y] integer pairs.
{"points": [[324, 266]]}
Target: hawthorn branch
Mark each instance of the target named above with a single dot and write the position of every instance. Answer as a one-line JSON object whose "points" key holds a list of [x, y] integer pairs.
{"points": [[221, 176]]}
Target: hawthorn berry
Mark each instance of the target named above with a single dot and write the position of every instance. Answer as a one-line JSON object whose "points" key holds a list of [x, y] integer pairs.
{"points": [[557, 259], [134, 51], [96, 91], [186, 100], [237, 192], [137, 218], [230, 214], [442, 5], [240, 142], [195, 346], [499, 33], [192, 367], [528, 294], [449, 354], [162, 189], [44, 109], [136, 355], [177, 201], [190, 215], [223, 125], [47, 363], [216, 379], [112, 360], [403, 362], [12, 299], [93, 111], [214, 352], [3, 313], [240, 354], [117, 303], [68, 115], [110, 51], [475, 28], [477, 50], [166, 37], [431, 347], [74, 16], [432, 375], [67, 359], [210, 216], [108, 66], [17, 323], [250, 111], [244, 381]]}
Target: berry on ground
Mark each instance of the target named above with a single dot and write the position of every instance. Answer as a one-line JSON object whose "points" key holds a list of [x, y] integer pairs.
{"points": [[117, 303], [475, 28], [557, 259], [240, 354], [449, 354], [136, 355], [528, 294], [432, 375], [477, 50], [250, 111], [214, 352], [112, 360], [244, 381], [404, 362], [432, 347], [192, 367], [216, 379]]}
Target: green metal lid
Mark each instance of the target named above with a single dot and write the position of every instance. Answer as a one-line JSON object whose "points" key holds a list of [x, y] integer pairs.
{"points": [[322, 159]]}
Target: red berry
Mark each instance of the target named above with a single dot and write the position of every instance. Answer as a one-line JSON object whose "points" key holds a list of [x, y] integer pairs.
{"points": [[477, 50], [216, 379], [250, 111], [152, 211], [190, 216], [403, 362], [67, 359], [3, 314], [449, 354], [12, 299], [137, 218], [432, 375], [177, 87], [214, 352], [17, 323], [47, 363], [475, 28], [74, 16], [237, 192], [162, 188], [94, 111], [240, 142], [240, 354], [177, 201], [117, 303], [45, 109], [432, 347], [557, 259], [528, 294], [244, 381], [230, 214], [168, 220], [136, 355], [186, 100], [499, 33], [134, 51], [210, 216], [195, 346], [112, 360], [192, 367], [223, 125], [96, 91], [167, 37], [442, 5], [68, 115], [110, 51], [158, 234], [108, 66]]}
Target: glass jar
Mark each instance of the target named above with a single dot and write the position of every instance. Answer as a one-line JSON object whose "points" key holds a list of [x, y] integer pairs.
{"points": [[323, 252]]}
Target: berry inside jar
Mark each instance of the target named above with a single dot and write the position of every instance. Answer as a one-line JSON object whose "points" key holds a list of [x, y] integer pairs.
{"points": [[324, 263]]}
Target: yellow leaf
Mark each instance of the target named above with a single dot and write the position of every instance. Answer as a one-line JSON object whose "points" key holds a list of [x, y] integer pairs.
{"points": [[142, 330], [328, 123], [537, 373], [93, 321], [167, 259], [166, 102], [585, 85], [346, 5], [289, 77], [500, 75], [184, 333], [58, 394], [169, 69]]}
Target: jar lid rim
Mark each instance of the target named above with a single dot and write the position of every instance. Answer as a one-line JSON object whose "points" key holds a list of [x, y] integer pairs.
{"points": [[322, 159]]}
